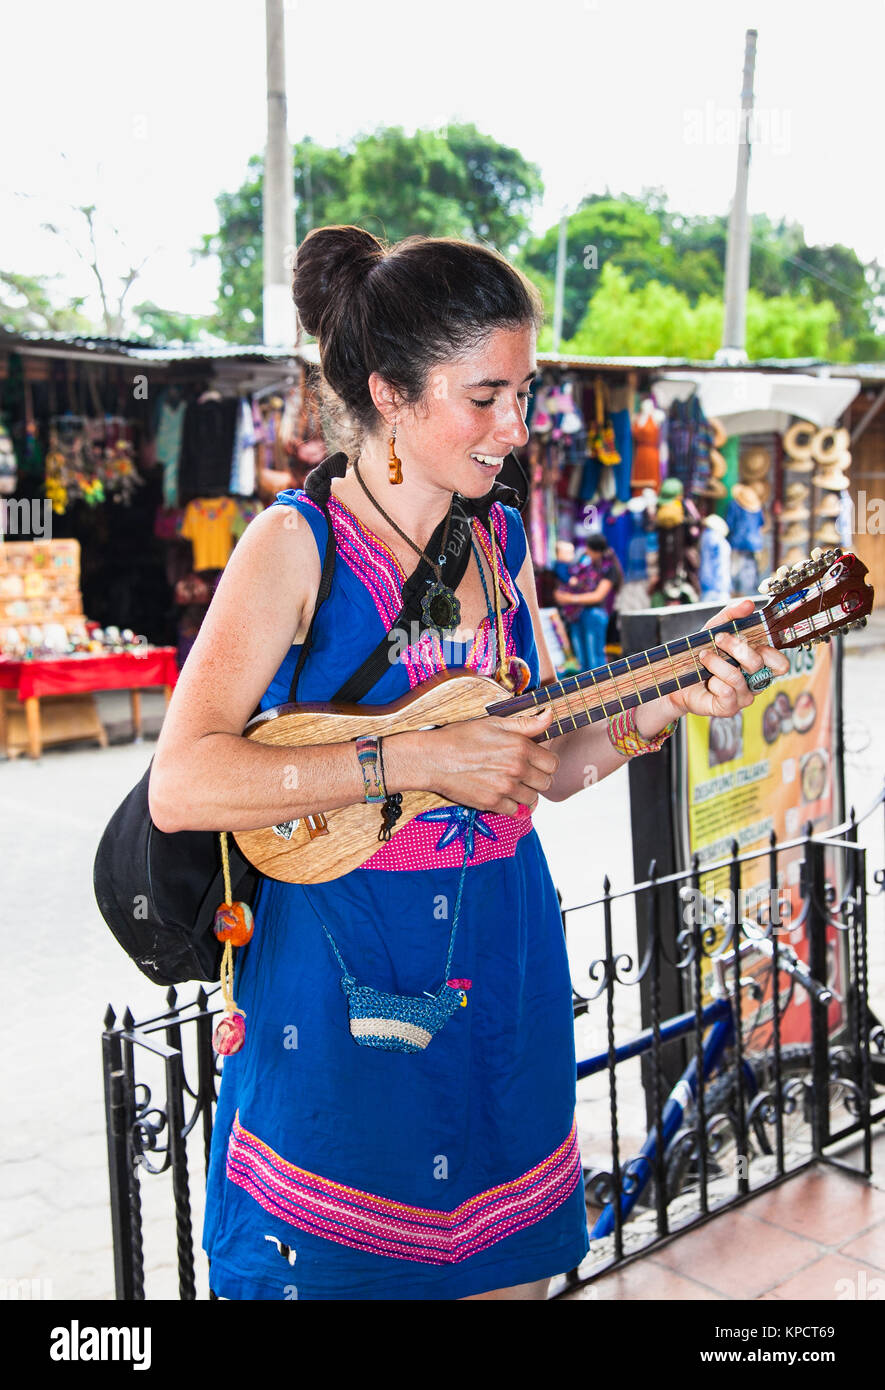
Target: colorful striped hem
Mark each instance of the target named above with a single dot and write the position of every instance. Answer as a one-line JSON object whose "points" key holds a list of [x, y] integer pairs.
{"points": [[380, 1226]]}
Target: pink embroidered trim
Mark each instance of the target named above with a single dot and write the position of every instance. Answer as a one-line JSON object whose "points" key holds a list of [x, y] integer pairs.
{"points": [[376, 567], [414, 846], [380, 1226]]}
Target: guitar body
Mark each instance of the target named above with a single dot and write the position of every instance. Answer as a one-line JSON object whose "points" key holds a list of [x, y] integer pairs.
{"points": [[318, 848]]}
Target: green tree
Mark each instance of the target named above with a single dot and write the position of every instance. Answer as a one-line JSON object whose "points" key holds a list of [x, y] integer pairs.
{"points": [[650, 243], [657, 320], [167, 327], [26, 306], [453, 182]]}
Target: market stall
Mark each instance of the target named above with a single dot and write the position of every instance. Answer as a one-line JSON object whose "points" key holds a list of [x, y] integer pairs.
{"points": [[702, 480], [131, 472]]}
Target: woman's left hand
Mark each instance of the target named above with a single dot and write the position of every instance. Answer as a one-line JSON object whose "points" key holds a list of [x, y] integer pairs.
{"points": [[727, 691]]}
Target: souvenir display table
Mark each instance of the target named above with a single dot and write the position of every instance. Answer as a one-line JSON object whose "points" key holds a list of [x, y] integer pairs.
{"points": [[66, 685]]}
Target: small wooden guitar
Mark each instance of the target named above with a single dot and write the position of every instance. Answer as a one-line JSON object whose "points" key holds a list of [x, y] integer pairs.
{"points": [[807, 604]]}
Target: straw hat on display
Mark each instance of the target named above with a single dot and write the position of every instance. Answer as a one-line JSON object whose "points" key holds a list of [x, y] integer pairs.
{"points": [[795, 535], [792, 465], [755, 463], [746, 497], [714, 487], [796, 499], [827, 534], [833, 479], [828, 444], [718, 464], [799, 438], [762, 489], [720, 433], [829, 506], [715, 522]]}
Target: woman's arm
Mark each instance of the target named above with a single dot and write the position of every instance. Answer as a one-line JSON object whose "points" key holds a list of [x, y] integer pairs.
{"points": [[207, 776], [586, 756]]}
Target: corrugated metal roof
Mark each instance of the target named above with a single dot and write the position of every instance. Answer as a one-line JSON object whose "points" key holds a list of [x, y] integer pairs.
{"points": [[129, 349], [137, 349]]}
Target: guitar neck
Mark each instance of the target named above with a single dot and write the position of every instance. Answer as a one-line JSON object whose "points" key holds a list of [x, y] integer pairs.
{"points": [[606, 690]]}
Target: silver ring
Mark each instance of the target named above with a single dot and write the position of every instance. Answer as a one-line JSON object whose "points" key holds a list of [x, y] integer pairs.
{"points": [[759, 680]]}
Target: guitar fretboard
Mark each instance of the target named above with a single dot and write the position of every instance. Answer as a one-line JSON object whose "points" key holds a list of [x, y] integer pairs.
{"points": [[633, 680]]}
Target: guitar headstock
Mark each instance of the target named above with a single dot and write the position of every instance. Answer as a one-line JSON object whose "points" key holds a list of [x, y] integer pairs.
{"points": [[811, 601]]}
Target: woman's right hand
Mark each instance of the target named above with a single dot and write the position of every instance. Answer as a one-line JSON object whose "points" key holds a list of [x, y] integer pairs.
{"points": [[491, 764]]}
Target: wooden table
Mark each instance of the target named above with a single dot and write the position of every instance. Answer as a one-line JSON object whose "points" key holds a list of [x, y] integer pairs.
{"points": [[68, 682]]}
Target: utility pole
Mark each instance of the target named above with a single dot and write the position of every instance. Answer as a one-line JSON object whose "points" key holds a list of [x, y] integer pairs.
{"points": [[559, 296], [733, 351], [278, 204]]}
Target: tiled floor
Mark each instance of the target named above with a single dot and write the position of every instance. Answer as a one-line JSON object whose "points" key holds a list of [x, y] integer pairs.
{"points": [[819, 1236]]}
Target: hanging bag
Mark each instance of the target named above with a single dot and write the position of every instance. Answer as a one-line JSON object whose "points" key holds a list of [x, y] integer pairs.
{"points": [[404, 1022]]}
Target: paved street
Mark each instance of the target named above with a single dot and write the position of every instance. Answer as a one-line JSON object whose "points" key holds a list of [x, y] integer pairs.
{"points": [[63, 968]]}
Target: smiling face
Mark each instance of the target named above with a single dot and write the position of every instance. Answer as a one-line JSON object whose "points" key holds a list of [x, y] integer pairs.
{"points": [[472, 415]]}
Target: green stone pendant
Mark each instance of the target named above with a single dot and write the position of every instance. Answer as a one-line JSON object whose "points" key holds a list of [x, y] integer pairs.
{"points": [[440, 608]]}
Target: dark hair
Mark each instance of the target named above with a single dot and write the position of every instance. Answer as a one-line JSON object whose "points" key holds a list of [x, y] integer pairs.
{"points": [[596, 541], [398, 310]]}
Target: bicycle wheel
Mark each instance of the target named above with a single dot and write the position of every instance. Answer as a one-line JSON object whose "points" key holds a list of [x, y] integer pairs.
{"points": [[797, 1098], [682, 1160]]}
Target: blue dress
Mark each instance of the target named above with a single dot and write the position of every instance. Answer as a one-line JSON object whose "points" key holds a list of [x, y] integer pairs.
{"points": [[340, 1171]]}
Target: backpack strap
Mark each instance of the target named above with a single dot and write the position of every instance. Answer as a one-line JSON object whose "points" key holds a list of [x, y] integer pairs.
{"points": [[323, 592], [378, 661]]}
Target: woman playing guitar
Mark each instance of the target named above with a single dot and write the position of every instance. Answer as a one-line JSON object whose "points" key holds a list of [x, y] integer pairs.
{"points": [[446, 1167]]}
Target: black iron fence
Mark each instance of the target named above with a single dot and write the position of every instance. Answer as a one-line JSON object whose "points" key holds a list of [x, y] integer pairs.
{"points": [[775, 1062]]}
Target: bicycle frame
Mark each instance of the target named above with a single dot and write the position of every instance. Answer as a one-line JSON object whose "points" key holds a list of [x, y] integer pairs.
{"points": [[639, 1171], [719, 1018]]}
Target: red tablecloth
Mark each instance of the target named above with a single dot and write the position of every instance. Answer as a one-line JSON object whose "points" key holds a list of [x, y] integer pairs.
{"points": [[73, 675]]}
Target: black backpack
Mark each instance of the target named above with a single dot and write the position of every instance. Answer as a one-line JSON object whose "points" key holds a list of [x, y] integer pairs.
{"points": [[157, 891]]}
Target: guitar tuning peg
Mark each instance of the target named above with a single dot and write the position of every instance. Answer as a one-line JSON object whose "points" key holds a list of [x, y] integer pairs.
{"points": [[764, 586], [816, 553], [781, 573]]}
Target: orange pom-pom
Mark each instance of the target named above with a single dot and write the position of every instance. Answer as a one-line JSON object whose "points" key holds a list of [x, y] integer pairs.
{"points": [[234, 923]]}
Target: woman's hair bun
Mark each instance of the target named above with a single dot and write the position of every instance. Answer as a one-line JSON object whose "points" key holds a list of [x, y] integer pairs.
{"points": [[329, 263]]}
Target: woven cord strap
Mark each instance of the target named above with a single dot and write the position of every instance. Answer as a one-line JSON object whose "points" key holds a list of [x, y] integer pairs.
{"points": [[227, 959], [468, 831], [499, 621], [467, 837]]}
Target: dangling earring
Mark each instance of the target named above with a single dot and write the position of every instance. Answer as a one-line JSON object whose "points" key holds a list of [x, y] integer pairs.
{"points": [[394, 465]]}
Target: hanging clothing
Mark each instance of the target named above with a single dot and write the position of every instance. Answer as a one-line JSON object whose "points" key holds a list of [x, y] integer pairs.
{"points": [[208, 524], [207, 448], [246, 512], [646, 454], [715, 570], [385, 1175], [744, 527], [242, 473], [620, 422], [167, 446]]}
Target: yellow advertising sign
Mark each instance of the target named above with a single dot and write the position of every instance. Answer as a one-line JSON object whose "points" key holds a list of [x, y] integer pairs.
{"points": [[771, 767]]}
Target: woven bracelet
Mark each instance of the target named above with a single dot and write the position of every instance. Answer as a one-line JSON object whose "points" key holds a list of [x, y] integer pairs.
{"points": [[367, 752], [626, 739]]}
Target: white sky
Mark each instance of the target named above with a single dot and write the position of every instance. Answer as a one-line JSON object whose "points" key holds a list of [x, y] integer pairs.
{"points": [[149, 110]]}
